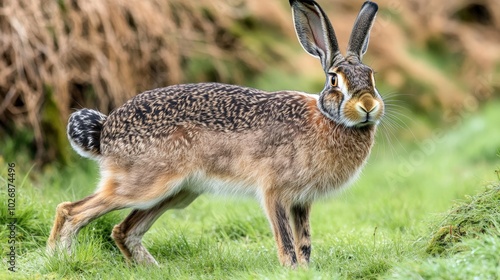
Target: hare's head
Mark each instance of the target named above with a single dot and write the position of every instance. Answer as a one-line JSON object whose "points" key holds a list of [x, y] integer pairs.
{"points": [[349, 96]]}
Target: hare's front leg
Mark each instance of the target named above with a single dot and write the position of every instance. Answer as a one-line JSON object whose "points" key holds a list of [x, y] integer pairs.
{"points": [[278, 214], [128, 234], [301, 232]]}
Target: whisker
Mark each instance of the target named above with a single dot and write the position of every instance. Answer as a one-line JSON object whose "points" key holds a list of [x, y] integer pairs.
{"points": [[396, 119]]}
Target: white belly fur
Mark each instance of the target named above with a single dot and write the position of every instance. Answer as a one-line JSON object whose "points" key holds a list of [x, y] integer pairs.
{"points": [[200, 183]]}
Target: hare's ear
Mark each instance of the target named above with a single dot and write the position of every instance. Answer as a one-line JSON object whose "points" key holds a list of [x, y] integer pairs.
{"points": [[315, 32], [358, 43]]}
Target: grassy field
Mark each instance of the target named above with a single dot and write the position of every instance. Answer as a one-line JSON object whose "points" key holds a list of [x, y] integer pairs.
{"points": [[379, 228]]}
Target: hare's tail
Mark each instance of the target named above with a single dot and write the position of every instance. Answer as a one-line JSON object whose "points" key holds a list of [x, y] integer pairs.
{"points": [[84, 132]]}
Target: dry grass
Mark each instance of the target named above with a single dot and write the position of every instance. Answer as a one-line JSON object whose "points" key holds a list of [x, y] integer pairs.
{"points": [[70, 54], [463, 38]]}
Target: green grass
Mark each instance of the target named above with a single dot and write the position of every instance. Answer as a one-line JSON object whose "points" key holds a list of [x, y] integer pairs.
{"points": [[379, 228]]}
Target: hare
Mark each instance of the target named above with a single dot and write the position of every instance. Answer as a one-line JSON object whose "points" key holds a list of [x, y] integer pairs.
{"points": [[165, 147]]}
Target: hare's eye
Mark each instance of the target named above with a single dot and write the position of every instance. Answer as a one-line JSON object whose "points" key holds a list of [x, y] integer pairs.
{"points": [[334, 81]]}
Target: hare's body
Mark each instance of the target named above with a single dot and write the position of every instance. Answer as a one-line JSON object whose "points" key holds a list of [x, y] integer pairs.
{"points": [[227, 139], [165, 147]]}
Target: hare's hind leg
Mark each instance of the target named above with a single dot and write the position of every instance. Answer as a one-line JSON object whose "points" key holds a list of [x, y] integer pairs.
{"points": [[72, 216], [117, 190], [128, 234], [301, 232]]}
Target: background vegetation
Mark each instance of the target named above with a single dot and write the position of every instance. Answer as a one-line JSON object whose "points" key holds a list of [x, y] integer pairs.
{"points": [[426, 205]]}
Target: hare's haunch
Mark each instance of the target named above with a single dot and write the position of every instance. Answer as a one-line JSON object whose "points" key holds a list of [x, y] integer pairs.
{"points": [[165, 147]]}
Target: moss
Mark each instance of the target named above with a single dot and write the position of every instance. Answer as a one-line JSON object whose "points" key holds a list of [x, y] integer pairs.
{"points": [[477, 215]]}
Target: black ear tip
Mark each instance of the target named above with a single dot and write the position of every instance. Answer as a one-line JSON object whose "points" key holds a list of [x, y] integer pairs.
{"points": [[310, 2], [368, 4]]}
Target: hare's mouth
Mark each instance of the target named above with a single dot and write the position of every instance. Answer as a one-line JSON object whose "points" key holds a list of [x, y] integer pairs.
{"points": [[360, 119], [367, 119], [366, 122]]}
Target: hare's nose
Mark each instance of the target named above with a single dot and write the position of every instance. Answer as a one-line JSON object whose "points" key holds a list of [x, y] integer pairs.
{"points": [[368, 104]]}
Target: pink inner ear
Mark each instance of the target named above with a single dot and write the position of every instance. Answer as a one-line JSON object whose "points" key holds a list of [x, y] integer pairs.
{"points": [[318, 32]]}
